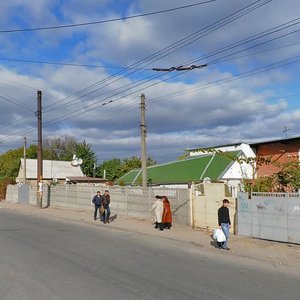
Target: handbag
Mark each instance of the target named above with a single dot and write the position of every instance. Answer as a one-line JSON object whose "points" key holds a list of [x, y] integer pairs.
{"points": [[102, 210]]}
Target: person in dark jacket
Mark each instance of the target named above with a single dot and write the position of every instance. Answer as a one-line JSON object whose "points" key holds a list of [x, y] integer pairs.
{"points": [[105, 203], [97, 200], [224, 223]]}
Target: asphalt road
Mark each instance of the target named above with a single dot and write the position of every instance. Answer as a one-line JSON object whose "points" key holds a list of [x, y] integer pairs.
{"points": [[52, 259]]}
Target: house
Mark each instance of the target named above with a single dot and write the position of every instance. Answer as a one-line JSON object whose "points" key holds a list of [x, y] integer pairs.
{"points": [[278, 151], [206, 167], [53, 171]]}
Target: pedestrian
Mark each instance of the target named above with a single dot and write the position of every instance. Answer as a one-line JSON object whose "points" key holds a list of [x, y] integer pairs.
{"points": [[167, 214], [97, 200], [105, 204], [224, 223], [158, 209]]}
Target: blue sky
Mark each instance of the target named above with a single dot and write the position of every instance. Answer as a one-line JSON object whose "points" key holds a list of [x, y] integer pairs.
{"points": [[199, 108]]}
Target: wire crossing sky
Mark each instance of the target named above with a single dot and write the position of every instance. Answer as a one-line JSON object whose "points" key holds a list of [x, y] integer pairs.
{"points": [[93, 59]]}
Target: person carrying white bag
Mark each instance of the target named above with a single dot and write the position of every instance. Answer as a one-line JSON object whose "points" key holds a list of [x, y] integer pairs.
{"points": [[224, 225]]}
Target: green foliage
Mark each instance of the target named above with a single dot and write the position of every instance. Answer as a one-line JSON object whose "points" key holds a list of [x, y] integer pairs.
{"points": [[85, 152], [185, 155], [112, 168], [263, 184], [116, 168], [288, 178], [9, 163]]}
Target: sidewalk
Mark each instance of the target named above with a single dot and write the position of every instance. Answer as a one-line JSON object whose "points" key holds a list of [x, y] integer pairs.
{"points": [[272, 252]]}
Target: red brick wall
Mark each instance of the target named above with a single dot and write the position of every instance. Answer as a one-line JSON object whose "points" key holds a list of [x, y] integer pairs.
{"points": [[278, 152]]}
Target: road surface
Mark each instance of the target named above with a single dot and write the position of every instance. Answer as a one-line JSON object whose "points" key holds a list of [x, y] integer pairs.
{"points": [[43, 258]]}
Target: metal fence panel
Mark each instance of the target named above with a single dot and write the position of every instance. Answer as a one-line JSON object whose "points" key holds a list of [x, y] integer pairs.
{"points": [[269, 216], [244, 214], [272, 216], [294, 219]]}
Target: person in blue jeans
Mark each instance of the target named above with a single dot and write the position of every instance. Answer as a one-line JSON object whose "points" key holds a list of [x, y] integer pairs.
{"points": [[97, 200], [224, 223], [105, 203]]}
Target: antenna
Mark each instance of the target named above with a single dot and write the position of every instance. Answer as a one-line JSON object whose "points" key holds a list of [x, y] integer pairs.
{"points": [[285, 131]]}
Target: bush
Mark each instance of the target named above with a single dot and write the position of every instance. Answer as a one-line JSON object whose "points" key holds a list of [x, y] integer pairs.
{"points": [[3, 186]]}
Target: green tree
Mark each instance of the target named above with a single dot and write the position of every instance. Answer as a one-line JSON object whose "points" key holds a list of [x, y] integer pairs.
{"points": [[134, 162], [84, 151], [10, 163], [112, 168], [116, 168]]}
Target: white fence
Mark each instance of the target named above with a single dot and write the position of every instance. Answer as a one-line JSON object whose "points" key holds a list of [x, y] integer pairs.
{"points": [[271, 216]]}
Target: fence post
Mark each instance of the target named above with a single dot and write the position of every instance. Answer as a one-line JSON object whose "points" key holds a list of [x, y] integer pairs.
{"points": [[77, 197], [66, 191], [150, 196], [192, 205], [91, 197], [126, 199]]}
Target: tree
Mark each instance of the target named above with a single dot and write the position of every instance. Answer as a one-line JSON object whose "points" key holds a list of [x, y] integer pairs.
{"points": [[134, 162], [84, 151], [59, 148], [112, 168], [9, 163], [116, 168]]}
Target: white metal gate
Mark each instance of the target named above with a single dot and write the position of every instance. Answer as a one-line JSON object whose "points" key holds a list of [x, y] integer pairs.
{"points": [[271, 216]]}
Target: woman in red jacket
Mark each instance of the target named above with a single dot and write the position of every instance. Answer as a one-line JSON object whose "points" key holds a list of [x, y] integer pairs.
{"points": [[167, 215]]}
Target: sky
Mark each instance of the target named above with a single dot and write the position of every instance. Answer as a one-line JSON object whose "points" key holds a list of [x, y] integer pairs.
{"points": [[249, 91]]}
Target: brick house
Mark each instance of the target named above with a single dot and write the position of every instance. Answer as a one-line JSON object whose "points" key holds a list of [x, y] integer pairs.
{"points": [[282, 151]]}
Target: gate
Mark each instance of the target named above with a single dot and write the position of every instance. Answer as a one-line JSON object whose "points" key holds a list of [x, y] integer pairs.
{"points": [[271, 216]]}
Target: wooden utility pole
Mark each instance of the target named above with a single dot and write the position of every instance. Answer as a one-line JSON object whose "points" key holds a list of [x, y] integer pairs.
{"points": [[143, 141], [39, 151], [24, 161]]}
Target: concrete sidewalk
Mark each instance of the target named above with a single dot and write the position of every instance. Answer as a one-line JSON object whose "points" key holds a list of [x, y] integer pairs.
{"points": [[275, 253]]}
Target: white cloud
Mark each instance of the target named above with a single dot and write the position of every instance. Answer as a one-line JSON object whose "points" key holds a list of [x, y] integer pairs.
{"points": [[205, 113]]}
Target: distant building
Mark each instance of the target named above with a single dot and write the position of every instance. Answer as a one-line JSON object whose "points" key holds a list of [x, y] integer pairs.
{"points": [[281, 151], [53, 171]]}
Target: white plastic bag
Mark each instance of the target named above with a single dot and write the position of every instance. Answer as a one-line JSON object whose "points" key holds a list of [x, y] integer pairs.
{"points": [[219, 236]]}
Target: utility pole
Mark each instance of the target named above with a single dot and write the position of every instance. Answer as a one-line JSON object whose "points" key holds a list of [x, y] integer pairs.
{"points": [[39, 151], [143, 141], [24, 160]]}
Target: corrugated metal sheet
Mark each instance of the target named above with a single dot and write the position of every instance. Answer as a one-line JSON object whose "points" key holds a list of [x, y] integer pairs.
{"points": [[183, 171]]}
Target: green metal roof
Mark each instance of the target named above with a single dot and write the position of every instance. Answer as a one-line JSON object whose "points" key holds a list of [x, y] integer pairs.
{"points": [[182, 171]]}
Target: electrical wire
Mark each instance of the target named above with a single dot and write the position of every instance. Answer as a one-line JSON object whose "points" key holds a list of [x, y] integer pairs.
{"points": [[107, 20], [169, 46], [15, 101], [68, 64], [237, 14]]}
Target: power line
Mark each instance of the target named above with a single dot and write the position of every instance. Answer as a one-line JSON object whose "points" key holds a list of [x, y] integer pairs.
{"points": [[212, 27], [107, 20], [68, 64], [248, 40], [13, 101], [170, 46]]}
